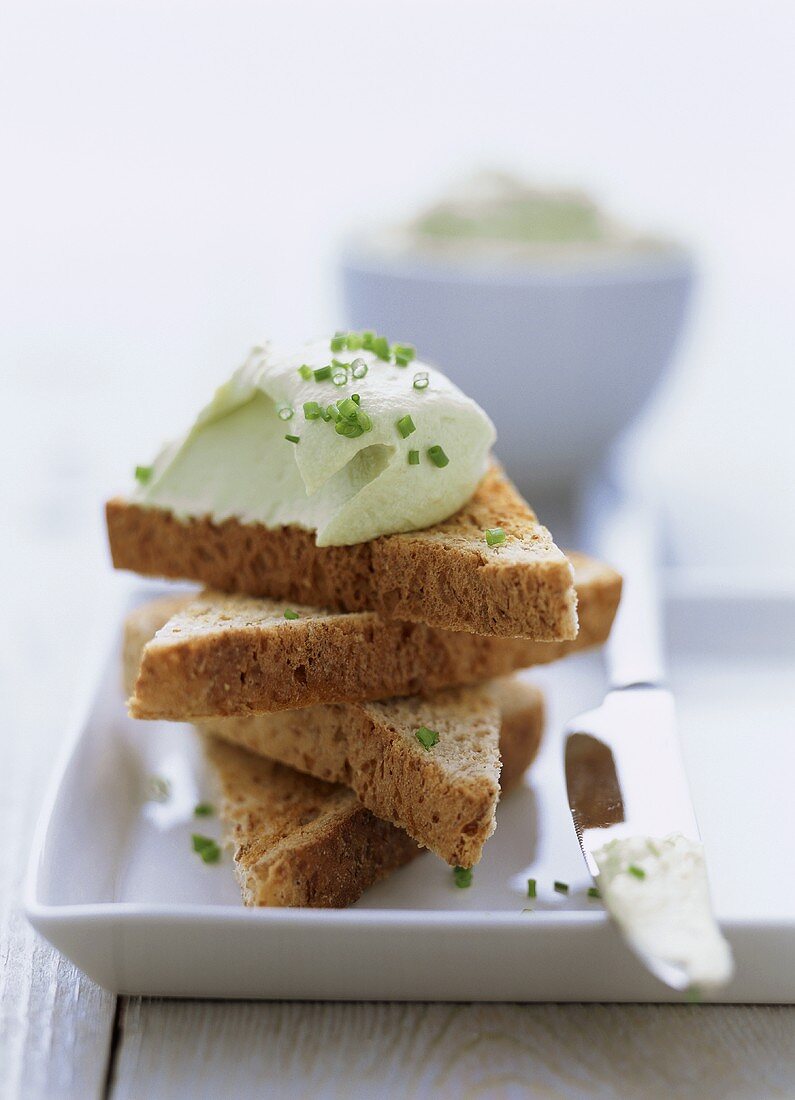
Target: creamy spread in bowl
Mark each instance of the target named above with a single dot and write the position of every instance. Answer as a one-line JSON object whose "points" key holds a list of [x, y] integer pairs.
{"points": [[493, 218]]}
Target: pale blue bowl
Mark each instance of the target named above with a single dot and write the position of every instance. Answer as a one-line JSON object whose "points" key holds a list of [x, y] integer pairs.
{"points": [[562, 357]]}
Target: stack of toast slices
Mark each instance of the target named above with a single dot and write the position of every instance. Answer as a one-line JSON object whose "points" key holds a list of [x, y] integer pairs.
{"points": [[356, 704]]}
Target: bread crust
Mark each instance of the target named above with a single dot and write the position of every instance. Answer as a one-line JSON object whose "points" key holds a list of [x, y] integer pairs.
{"points": [[445, 575], [225, 656]]}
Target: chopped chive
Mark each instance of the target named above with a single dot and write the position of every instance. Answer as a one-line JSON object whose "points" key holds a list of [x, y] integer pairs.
{"points": [[531, 887], [462, 877], [353, 341], [305, 372], [206, 847], [312, 411], [290, 614], [414, 458], [421, 380], [427, 738], [594, 892], [339, 376], [495, 536], [355, 397], [638, 872], [404, 353], [322, 373], [203, 809], [406, 426], [351, 421], [561, 887], [380, 346], [437, 456], [338, 341], [349, 428], [367, 340], [293, 438], [285, 411], [143, 474], [359, 368]]}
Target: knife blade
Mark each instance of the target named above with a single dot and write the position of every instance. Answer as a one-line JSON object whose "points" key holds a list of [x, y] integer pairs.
{"points": [[627, 787]]}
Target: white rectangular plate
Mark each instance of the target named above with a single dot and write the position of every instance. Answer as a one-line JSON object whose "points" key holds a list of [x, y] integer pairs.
{"points": [[115, 886]]}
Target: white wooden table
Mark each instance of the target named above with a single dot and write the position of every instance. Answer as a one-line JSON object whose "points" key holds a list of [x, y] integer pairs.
{"points": [[61, 1036]]}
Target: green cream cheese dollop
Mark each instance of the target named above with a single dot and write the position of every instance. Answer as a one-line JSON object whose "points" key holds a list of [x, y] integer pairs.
{"points": [[235, 461]]}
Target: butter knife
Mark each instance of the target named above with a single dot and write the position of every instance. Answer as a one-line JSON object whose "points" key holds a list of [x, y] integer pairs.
{"points": [[626, 782]]}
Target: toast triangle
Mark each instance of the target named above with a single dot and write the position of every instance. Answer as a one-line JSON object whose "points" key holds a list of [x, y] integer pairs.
{"points": [[444, 795], [231, 655], [299, 841], [446, 575]]}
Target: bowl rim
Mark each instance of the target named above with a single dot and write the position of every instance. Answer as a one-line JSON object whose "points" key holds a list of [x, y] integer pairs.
{"points": [[671, 263]]}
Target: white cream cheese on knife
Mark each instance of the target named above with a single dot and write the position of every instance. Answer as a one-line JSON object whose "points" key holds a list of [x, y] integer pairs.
{"points": [[237, 462], [657, 891]]}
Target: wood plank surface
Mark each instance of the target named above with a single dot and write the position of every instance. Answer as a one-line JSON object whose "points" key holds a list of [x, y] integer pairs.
{"points": [[55, 1024], [174, 1050]]}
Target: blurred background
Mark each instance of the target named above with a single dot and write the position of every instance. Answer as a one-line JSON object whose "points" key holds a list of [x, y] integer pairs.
{"points": [[180, 181]]}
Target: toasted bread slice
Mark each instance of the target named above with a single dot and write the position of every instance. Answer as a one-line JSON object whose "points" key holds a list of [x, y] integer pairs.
{"points": [[301, 842], [220, 655], [446, 575], [445, 796]]}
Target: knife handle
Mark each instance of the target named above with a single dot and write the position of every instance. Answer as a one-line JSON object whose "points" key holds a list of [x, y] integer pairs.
{"points": [[625, 532]]}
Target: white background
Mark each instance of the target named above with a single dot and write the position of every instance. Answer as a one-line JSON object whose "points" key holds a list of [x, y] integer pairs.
{"points": [[176, 177]]}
